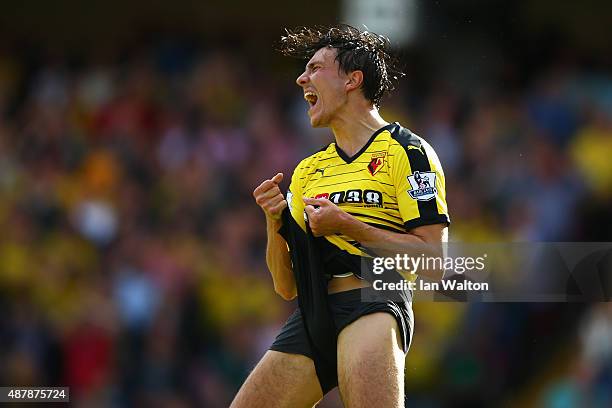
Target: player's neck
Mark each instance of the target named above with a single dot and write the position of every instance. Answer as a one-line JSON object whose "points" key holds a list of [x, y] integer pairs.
{"points": [[352, 131]]}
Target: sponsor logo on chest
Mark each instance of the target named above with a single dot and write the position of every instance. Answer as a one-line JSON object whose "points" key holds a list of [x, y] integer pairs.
{"points": [[371, 198]]}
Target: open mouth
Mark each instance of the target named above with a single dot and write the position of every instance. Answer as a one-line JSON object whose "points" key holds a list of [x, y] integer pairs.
{"points": [[311, 98]]}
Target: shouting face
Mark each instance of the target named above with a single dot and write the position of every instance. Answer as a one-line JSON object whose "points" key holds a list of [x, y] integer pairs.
{"points": [[325, 87]]}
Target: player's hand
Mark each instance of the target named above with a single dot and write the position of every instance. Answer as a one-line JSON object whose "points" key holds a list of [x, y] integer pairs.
{"points": [[269, 197], [324, 217]]}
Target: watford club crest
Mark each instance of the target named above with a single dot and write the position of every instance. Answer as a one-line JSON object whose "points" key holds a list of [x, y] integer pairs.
{"points": [[378, 159]]}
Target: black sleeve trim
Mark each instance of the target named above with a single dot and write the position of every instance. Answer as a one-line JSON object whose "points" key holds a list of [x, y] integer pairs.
{"points": [[419, 222], [419, 162], [428, 210]]}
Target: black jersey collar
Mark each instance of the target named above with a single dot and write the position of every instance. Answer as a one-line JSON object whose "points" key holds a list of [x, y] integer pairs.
{"points": [[350, 159]]}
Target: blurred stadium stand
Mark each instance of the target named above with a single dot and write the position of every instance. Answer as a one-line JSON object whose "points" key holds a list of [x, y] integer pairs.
{"points": [[132, 135]]}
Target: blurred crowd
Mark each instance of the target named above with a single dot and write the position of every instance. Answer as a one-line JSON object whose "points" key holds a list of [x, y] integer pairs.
{"points": [[132, 253]]}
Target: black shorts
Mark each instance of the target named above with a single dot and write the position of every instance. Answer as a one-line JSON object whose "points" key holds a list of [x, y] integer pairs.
{"points": [[346, 307]]}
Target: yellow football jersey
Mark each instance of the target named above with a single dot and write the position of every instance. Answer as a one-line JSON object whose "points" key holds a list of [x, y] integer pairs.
{"points": [[394, 182]]}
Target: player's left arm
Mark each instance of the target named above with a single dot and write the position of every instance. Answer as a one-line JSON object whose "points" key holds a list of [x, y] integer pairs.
{"points": [[326, 218]]}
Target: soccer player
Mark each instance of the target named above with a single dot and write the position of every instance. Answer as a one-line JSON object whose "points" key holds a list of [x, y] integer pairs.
{"points": [[377, 186]]}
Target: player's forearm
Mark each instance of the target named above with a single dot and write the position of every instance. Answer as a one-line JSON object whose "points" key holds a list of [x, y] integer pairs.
{"points": [[389, 243], [279, 262]]}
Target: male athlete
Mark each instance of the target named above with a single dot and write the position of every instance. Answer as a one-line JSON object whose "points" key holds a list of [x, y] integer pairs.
{"points": [[377, 186]]}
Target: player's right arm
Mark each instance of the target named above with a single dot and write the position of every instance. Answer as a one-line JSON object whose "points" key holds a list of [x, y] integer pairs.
{"points": [[271, 200]]}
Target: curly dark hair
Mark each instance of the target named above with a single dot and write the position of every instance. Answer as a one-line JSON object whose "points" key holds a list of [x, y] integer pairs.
{"points": [[356, 50]]}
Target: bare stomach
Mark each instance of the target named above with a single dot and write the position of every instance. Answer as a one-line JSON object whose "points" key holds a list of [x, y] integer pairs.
{"points": [[343, 284]]}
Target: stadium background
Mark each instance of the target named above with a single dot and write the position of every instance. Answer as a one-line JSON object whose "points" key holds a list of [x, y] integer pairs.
{"points": [[132, 135]]}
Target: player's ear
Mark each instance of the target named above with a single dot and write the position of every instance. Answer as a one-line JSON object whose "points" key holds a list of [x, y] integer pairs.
{"points": [[354, 80]]}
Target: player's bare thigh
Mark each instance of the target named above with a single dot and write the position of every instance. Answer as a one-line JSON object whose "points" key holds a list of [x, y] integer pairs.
{"points": [[280, 380], [371, 363]]}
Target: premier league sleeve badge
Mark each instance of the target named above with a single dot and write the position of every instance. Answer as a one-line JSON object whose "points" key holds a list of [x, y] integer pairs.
{"points": [[423, 185]]}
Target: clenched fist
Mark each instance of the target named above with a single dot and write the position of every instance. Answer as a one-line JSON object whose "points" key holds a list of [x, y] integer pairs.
{"points": [[324, 217], [269, 197]]}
